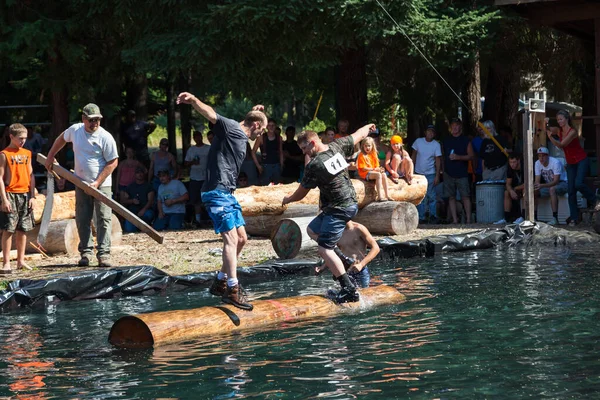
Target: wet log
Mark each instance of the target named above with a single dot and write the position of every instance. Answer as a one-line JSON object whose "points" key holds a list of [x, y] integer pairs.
{"points": [[263, 225], [389, 218], [63, 207], [266, 200], [290, 239], [160, 328], [63, 237]]}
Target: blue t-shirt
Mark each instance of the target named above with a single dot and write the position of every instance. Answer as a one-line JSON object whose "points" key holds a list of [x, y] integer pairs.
{"points": [[456, 168], [226, 155]]}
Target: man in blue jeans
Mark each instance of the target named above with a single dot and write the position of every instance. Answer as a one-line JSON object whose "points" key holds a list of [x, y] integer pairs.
{"points": [[427, 157], [328, 170], [170, 202], [225, 157]]}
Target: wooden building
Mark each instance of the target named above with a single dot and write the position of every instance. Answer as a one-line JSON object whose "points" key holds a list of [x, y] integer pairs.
{"points": [[580, 18]]}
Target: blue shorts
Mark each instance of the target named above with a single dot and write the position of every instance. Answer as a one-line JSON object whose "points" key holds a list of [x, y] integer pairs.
{"points": [[362, 278], [223, 209], [330, 225]]}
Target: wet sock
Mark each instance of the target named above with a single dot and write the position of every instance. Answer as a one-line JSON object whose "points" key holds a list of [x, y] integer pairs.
{"points": [[221, 276], [231, 282]]}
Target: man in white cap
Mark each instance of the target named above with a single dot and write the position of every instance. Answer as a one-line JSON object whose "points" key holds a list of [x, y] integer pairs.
{"points": [[96, 157], [550, 180]]}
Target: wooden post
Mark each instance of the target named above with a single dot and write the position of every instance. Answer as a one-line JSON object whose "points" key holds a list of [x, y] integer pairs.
{"points": [[528, 167], [159, 328], [98, 195]]}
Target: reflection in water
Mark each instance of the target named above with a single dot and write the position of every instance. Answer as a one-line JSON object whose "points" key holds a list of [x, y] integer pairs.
{"points": [[499, 323], [25, 369]]}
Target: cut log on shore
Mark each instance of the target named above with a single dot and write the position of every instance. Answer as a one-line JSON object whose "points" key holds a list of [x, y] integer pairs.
{"points": [[160, 328], [289, 238], [63, 207], [263, 225], [63, 237], [266, 200], [389, 218]]}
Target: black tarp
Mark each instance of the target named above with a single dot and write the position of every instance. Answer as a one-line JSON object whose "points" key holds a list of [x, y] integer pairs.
{"points": [[127, 281]]}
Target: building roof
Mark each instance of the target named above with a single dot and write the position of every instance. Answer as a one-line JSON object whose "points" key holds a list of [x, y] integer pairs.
{"points": [[575, 17]]}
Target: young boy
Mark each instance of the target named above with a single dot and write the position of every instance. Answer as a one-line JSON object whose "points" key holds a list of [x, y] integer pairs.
{"points": [[17, 190]]}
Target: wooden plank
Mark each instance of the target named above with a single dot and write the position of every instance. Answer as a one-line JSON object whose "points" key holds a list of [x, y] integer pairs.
{"points": [[98, 195]]}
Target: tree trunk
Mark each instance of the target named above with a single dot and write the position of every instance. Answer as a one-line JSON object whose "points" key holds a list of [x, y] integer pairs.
{"points": [[60, 114], [185, 113], [389, 218], [473, 97], [137, 96], [351, 88], [171, 123], [493, 96]]}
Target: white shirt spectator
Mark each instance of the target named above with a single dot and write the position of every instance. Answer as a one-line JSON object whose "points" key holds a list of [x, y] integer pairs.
{"points": [[92, 152], [554, 167], [198, 171], [426, 154]]}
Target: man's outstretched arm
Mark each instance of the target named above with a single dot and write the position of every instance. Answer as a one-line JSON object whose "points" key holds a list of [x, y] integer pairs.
{"points": [[204, 109]]}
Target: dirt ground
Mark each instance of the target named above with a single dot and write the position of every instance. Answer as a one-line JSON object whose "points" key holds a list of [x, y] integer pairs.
{"points": [[198, 250]]}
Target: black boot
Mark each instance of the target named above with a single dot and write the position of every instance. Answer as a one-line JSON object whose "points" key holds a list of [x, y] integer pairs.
{"points": [[348, 294]]}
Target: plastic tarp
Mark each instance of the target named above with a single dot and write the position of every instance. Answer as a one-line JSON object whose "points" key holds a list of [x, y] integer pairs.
{"points": [[127, 281]]}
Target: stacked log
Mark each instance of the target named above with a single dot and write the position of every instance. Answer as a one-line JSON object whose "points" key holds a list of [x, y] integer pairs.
{"points": [[63, 206], [63, 237], [263, 225], [266, 200]]}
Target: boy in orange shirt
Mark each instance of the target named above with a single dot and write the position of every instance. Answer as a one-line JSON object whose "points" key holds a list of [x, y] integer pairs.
{"points": [[17, 190]]}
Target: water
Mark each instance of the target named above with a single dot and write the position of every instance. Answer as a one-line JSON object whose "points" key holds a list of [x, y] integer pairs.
{"points": [[488, 324]]}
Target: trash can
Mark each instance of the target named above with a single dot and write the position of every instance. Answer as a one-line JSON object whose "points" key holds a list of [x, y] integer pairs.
{"points": [[489, 197]]}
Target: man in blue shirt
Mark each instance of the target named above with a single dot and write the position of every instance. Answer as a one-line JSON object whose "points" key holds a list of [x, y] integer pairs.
{"points": [[225, 158]]}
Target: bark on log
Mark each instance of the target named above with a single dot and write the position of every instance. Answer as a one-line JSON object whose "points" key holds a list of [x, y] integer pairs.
{"points": [[290, 237], [63, 237], [159, 328], [263, 225], [389, 218], [62, 208], [266, 200]]}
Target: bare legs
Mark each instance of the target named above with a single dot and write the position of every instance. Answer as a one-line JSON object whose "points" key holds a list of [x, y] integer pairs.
{"points": [[233, 243], [382, 185]]}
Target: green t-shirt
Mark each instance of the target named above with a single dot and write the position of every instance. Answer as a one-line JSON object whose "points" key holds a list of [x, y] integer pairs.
{"points": [[328, 171]]}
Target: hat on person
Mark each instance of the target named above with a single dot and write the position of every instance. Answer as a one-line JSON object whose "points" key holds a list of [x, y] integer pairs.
{"points": [[140, 169], [430, 127], [131, 112], [163, 171], [396, 139], [456, 121], [92, 111], [543, 150]]}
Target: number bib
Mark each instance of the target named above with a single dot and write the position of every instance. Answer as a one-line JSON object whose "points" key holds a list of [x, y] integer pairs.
{"points": [[336, 164]]}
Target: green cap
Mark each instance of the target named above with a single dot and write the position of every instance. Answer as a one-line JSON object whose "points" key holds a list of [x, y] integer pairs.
{"points": [[92, 111]]}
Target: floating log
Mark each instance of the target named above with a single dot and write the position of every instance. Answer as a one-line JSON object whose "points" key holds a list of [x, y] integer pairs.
{"points": [[63, 207], [266, 200], [159, 328], [290, 237], [263, 225], [389, 218], [63, 237]]}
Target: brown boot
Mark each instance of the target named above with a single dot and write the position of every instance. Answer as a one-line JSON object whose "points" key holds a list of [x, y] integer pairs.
{"points": [[236, 297], [218, 287]]}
